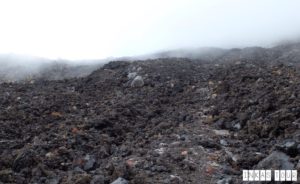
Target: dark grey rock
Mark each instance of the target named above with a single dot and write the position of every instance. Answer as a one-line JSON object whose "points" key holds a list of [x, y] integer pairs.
{"points": [[90, 162], [78, 170], [26, 158], [209, 144], [276, 160], [227, 180], [98, 179], [290, 148], [5, 175], [290, 144], [53, 181], [159, 169]]}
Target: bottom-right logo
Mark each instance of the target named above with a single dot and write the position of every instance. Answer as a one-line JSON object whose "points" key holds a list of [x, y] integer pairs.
{"points": [[266, 175]]}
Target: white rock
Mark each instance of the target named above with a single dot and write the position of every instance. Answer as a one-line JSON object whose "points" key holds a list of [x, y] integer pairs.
{"points": [[223, 142], [49, 155], [137, 82], [222, 132], [120, 181], [160, 151], [237, 126], [132, 75]]}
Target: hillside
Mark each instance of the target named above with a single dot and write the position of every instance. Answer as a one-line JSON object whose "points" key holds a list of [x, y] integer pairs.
{"points": [[167, 120]]}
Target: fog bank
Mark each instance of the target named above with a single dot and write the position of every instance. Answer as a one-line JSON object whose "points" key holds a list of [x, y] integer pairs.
{"points": [[93, 29]]}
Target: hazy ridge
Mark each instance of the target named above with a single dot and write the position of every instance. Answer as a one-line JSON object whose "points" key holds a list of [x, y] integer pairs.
{"points": [[24, 68]]}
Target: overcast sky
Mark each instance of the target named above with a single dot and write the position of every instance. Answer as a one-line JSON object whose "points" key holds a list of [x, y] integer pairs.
{"points": [[87, 29]]}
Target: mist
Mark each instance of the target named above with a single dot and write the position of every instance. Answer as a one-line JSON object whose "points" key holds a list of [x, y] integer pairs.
{"points": [[92, 29], [83, 32]]}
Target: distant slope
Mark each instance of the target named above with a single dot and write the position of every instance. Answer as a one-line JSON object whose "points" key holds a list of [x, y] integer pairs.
{"points": [[19, 68]]}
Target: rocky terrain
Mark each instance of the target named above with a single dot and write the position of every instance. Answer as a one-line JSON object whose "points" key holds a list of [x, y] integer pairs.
{"points": [[169, 120]]}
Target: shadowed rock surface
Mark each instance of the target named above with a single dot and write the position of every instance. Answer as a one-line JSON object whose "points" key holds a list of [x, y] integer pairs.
{"points": [[182, 121]]}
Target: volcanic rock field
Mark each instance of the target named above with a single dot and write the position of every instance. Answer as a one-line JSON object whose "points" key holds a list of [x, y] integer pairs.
{"points": [[160, 121]]}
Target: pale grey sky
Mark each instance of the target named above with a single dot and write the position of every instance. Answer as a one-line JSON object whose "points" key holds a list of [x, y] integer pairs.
{"points": [[86, 29]]}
